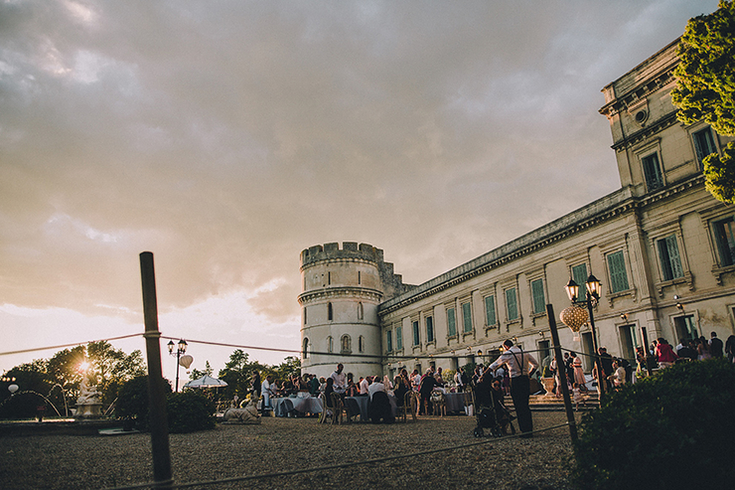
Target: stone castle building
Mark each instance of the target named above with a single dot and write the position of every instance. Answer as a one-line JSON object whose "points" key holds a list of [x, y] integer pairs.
{"points": [[662, 246]]}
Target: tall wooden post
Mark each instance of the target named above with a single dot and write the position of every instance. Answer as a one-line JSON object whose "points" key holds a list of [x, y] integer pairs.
{"points": [[156, 393], [561, 369]]}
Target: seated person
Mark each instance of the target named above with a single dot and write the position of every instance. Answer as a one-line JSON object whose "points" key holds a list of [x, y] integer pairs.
{"points": [[400, 389], [328, 390], [379, 405], [352, 389]]}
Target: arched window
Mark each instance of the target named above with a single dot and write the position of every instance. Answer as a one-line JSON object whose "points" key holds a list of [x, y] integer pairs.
{"points": [[305, 352], [346, 345], [360, 311], [361, 344], [330, 344], [330, 313]]}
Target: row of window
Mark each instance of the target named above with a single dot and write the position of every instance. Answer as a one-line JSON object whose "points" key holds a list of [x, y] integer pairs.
{"points": [[704, 144], [330, 312], [345, 345], [618, 279]]}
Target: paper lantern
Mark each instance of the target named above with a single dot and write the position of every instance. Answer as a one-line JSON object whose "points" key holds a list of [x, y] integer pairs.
{"points": [[574, 317], [186, 361], [13, 388]]}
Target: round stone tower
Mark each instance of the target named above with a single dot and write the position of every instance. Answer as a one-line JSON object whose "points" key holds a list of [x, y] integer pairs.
{"points": [[342, 289]]}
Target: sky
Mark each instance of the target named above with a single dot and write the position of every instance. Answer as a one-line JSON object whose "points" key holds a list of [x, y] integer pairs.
{"points": [[227, 136]]}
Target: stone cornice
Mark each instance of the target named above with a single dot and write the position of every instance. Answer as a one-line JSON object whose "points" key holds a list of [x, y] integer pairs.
{"points": [[644, 133], [340, 293], [611, 206]]}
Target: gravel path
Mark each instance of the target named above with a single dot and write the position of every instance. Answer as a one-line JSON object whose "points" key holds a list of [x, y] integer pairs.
{"points": [[281, 444]]}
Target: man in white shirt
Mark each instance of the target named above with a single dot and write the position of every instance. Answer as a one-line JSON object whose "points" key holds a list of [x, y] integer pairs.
{"points": [[267, 392], [364, 386], [340, 379], [520, 366]]}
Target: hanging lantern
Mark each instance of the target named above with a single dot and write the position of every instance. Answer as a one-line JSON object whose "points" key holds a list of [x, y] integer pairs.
{"points": [[13, 388], [186, 361], [574, 317]]}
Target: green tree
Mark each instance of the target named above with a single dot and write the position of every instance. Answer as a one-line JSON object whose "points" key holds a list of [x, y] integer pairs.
{"points": [[705, 89], [110, 368], [290, 366], [30, 377]]}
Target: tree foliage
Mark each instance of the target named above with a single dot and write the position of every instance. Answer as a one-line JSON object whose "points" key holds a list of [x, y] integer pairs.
{"points": [[705, 89], [706, 74], [671, 430]]}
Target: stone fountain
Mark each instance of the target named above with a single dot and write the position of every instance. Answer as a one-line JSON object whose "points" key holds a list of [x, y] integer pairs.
{"points": [[89, 405]]}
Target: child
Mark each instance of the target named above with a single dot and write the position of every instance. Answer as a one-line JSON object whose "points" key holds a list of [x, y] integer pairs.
{"points": [[577, 397]]}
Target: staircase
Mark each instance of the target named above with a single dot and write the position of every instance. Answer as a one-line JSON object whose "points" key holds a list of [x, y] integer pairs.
{"points": [[551, 402]]}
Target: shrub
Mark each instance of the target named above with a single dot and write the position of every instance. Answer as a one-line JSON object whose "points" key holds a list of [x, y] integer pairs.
{"points": [[190, 411], [672, 430], [132, 402]]}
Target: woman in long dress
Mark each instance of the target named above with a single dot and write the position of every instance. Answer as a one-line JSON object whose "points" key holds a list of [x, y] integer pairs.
{"points": [[578, 372]]}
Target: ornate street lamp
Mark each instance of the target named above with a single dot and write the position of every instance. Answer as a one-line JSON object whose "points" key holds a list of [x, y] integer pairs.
{"points": [[575, 316], [180, 350]]}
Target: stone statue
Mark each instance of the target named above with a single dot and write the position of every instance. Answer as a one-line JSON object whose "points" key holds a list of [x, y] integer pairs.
{"points": [[89, 404], [247, 415]]}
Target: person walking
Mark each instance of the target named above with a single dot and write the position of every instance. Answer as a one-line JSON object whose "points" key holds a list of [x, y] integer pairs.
{"points": [[521, 366]]}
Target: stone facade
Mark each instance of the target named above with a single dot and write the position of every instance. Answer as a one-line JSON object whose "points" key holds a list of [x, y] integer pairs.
{"points": [[662, 246]]}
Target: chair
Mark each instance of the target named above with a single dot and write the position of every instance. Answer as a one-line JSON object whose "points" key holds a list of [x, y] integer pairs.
{"points": [[325, 413], [352, 409], [410, 405], [337, 408]]}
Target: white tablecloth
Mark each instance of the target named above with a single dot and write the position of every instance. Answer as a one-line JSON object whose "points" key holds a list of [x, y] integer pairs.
{"points": [[457, 401], [364, 401], [303, 405]]}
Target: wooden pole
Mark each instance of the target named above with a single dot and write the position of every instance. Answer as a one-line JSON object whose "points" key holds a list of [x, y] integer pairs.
{"points": [[156, 393], [561, 369]]}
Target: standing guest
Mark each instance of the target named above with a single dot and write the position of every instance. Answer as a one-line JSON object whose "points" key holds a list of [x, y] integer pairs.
{"points": [[458, 379], [577, 396], [617, 378], [416, 380], [730, 348], [578, 375], [255, 385], [340, 379], [314, 385], [427, 386], [568, 364], [715, 345], [665, 353], [703, 349], [364, 384], [684, 351], [268, 392], [328, 390], [520, 366]]}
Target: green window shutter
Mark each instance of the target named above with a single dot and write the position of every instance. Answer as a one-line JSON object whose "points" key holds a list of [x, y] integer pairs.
{"points": [[451, 322], [399, 337], [429, 329], [511, 303], [490, 310], [537, 290], [416, 337], [675, 260], [389, 340], [467, 317], [579, 274], [618, 274]]}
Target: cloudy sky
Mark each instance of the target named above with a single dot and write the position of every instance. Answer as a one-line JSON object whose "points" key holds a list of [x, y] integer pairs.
{"points": [[227, 136]]}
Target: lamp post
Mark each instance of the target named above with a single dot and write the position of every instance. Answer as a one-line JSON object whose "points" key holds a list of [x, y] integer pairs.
{"points": [[180, 350], [592, 297]]}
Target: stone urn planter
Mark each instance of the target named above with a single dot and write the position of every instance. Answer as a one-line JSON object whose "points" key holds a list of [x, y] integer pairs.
{"points": [[548, 385]]}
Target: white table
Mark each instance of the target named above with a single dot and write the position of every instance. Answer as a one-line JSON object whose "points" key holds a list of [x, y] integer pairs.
{"points": [[282, 406]]}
